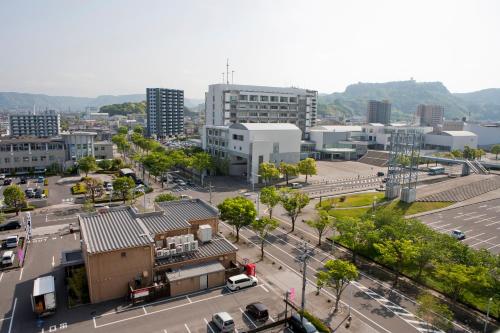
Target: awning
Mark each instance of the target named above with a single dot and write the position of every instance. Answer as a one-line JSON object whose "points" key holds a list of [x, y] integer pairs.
{"points": [[195, 270]]}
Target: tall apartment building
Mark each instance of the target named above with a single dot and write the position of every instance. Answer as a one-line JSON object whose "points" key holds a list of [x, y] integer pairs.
{"points": [[430, 115], [227, 104], [379, 112], [165, 112], [44, 124]]}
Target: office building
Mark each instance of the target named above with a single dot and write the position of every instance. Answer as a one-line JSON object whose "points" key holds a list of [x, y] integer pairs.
{"points": [[44, 124], [165, 112], [246, 145], [430, 115], [379, 112], [227, 104]]}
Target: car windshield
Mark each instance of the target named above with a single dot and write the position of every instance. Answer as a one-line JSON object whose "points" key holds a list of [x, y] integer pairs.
{"points": [[229, 322], [310, 328]]}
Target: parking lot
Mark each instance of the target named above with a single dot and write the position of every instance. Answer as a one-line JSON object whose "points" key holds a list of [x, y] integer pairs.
{"points": [[165, 315], [480, 222]]}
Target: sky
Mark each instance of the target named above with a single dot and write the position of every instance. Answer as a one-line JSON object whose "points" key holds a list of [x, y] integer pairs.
{"points": [[100, 47]]}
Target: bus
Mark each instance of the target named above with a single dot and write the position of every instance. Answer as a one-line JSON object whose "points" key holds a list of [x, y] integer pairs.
{"points": [[437, 170]]}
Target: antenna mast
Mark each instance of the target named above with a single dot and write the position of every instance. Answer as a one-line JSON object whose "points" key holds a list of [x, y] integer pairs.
{"points": [[223, 78], [232, 77], [227, 71]]}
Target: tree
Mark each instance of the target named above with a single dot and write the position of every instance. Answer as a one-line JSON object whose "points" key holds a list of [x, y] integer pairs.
{"points": [[268, 172], [87, 164], [270, 197], [200, 162], [337, 274], [166, 197], [355, 233], [288, 170], [88, 207], [293, 202], [122, 130], [308, 167], [117, 164], [14, 197], [434, 312], [238, 212], [495, 150], [105, 164], [321, 224], [397, 253], [262, 227], [138, 129], [480, 153], [93, 186], [457, 153], [124, 186], [456, 278], [469, 153], [120, 140]]}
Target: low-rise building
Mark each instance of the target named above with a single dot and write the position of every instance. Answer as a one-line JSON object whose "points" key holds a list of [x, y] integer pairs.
{"points": [[339, 142], [125, 251], [450, 140]]}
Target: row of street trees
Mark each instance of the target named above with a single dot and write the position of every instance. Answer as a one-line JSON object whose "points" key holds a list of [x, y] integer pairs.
{"points": [[269, 172]]}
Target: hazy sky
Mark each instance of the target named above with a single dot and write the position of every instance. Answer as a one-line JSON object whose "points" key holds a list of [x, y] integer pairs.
{"points": [[89, 48]]}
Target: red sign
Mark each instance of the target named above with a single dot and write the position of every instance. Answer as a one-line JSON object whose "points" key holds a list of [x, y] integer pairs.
{"points": [[291, 295]]}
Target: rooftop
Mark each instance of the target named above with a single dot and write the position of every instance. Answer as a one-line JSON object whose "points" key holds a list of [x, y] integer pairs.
{"points": [[262, 89], [337, 128], [195, 270], [264, 126], [459, 133], [188, 210]]}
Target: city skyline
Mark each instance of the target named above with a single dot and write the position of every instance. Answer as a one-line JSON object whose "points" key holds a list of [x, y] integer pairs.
{"points": [[121, 47]]}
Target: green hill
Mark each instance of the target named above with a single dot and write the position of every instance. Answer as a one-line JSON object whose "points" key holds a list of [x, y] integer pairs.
{"points": [[124, 109], [406, 95]]}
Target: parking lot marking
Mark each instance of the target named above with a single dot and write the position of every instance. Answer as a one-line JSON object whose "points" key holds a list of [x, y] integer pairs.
{"points": [[165, 330], [272, 319], [189, 299], [483, 241], [483, 206], [442, 226], [492, 223], [21, 275], [209, 326], [1, 277], [145, 312], [474, 217], [248, 318], [492, 247], [12, 317], [74, 236], [53, 261], [434, 222], [482, 220], [187, 328], [6, 318], [264, 287], [472, 237]]}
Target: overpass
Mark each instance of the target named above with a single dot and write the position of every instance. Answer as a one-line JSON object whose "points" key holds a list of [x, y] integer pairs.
{"points": [[468, 166]]}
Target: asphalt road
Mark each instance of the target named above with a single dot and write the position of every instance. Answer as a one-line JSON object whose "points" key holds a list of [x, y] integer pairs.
{"points": [[480, 222]]}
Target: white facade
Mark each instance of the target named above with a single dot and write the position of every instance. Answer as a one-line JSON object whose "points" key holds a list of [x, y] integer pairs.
{"points": [[44, 124], [247, 145], [79, 144], [227, 104], [450, 140], [487, 135], [378, 134]]}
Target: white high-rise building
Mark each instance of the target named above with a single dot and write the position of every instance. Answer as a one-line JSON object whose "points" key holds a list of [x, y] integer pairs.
{"points": [[227, 104]]}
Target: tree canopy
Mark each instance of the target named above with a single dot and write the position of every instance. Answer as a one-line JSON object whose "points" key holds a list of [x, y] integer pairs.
{"points": [[238, 212], [14, 197], [337, 274], [270, 197], [308, 167]]}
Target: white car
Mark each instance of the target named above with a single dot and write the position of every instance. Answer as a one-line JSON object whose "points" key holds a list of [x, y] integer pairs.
{"points": [[8, 258], [2, 175], [241, 281], [181, 183], [109, 187], [457, 234], [223, 321], [11, 241]]}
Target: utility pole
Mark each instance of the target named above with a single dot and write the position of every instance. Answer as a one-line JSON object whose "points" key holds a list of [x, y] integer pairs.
{"points": [[210, 191], [304, 257]]}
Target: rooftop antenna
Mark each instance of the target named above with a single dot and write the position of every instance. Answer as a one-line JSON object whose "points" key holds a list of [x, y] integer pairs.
{"points": [[232, 77], [223, 78], [227, 71]]}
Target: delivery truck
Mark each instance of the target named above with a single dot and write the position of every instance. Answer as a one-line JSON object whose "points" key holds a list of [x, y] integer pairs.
{"points": [[43, 299]]}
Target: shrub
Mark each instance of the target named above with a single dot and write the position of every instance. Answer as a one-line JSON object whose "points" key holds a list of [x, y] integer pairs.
{"points": [[79, 188], [166, 197], [320, 326]]}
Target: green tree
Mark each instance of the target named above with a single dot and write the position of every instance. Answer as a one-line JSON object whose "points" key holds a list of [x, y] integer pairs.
{"points": [[105, 164], [14, 197], [166, 197], [293, 202], [120, 140], [268, 172], [122, 130], [457, 153], [337, 274], [238, 212], [117, 164], [495, 150], [201, 162], [308, 167], [270, 197], [355, 233], [87, 164], [480, 153], [94, 187], [321, 224], [434, 312], [456, 278], [138, 129], [469, 153], [397, 253], [262, 227], [124, 186], [288, 170], [88, 206]]}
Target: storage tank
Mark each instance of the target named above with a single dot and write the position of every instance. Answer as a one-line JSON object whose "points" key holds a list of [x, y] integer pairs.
{"points": [[204, 233]]}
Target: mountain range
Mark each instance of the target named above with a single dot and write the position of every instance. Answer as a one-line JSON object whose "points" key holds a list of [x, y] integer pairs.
{"points": [[406, 95]]}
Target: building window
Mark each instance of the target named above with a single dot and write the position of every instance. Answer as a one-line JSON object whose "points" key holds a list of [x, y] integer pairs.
{"points": [[16, 159], [26, 159], [254, 98], [274, 98], [284, 99], [264, 98], [7, 160], [293, 99], [243, 97]]}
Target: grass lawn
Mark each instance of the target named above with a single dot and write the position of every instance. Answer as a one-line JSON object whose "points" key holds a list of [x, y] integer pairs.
{"points": [[354, 200], [416, 207]]}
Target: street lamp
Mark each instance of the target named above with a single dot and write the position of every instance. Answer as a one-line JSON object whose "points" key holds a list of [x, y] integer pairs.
{"points": [[374, 203], [487, 315]]}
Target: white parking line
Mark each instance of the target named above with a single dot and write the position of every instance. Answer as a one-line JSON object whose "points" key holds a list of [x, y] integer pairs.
{"points": [[6, 318], [475, 217], [165, 331], [208, 324], [189, 299], [1, 277], [490, 224], [53, 261], [482, 220], [21, 275], [483, 241], [12, 317], [248, 318], [442, 226], [472, 237], [262, 286], [438, 221], [492, 247], [145, 312], [187, 328]]}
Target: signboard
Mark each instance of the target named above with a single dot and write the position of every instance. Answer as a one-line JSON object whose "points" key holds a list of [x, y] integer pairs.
{"points": [[140, 293], [291, 295]]}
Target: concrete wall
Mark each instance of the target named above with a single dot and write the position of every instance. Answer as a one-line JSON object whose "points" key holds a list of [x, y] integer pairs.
{"points": [[109, 273]]}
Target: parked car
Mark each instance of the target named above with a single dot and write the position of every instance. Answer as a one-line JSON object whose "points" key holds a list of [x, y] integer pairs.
{"points": [[8, 258], [7, 181], [2, 175], [39, 194], [457, 234], [258, 311], [41, 179], [190, 182], [241, 281], [11, 241], [301, 326], [23, 180], [223, 321], [181, 183], [380, 174], [30, 193], [139, 181], [10, 225], [108, 187], [296, 185], [385, 180]]}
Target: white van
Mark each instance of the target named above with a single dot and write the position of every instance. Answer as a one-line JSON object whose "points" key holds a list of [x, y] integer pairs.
{"points": [[241, 281], [223, 321], [11, 241], [8, 258]]}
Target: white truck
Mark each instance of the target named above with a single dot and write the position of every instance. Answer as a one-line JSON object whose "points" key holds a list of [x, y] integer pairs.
{"points": [[43, 299]]}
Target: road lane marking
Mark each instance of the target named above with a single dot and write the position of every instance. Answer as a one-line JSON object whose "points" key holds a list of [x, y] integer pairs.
{"points": [[12, 317], [21, 275], [209, 326], [248, 318], [187, 328]]}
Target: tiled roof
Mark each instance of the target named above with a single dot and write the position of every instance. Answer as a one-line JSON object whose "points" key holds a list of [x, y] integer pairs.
{"points": [[162, 223], [188, 210], [216, 247], [113, 230]]}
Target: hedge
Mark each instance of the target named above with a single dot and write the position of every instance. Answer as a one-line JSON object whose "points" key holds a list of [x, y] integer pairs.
{"points": [[320, 326]]}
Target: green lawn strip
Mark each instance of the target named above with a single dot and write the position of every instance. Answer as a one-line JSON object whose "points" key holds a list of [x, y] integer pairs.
{"points": [[354, 212], [416, 207], [354, 200]]}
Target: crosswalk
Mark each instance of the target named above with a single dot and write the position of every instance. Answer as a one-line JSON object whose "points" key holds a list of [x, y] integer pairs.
{"points": [[187, 188]]}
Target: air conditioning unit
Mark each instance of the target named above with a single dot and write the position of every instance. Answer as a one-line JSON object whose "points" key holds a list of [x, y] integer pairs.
{"points": [[179, 248], [186, 247], [204, 233], [194, 245], [162, 253], [190, 237], [171, 246]]}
